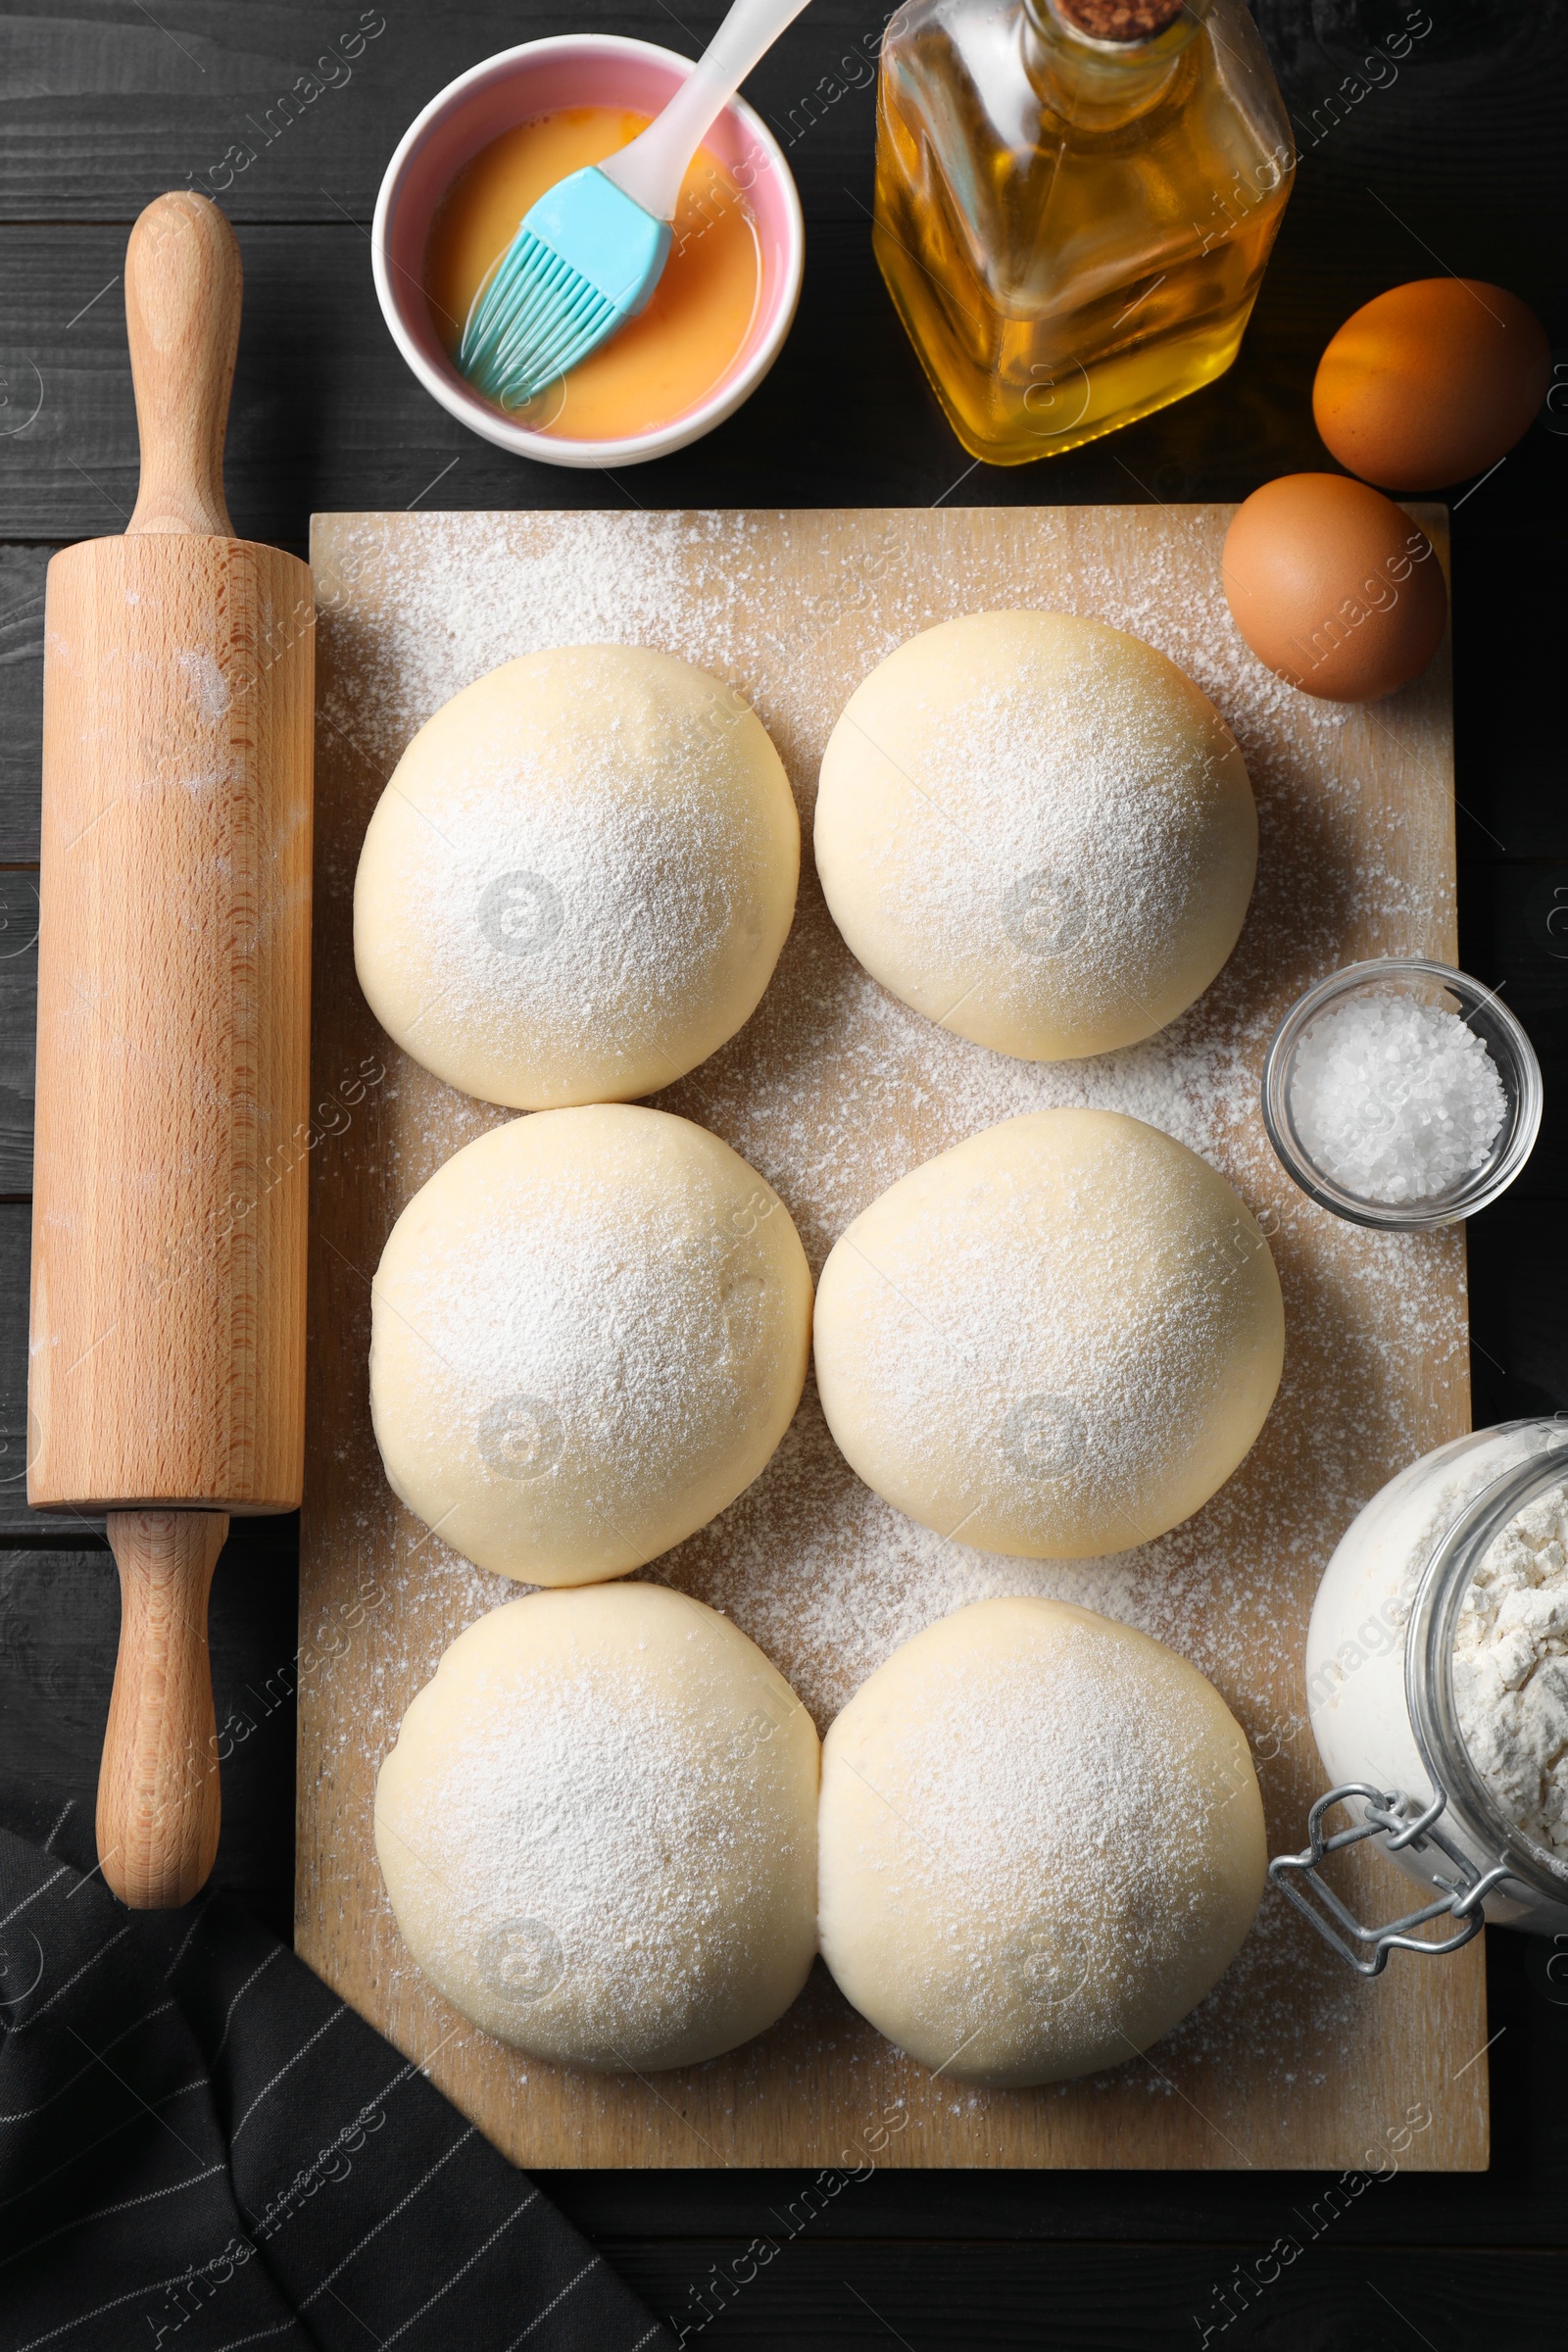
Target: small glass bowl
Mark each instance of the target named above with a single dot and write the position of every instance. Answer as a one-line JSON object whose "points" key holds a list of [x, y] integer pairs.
{"points": [[1510, 1050]]}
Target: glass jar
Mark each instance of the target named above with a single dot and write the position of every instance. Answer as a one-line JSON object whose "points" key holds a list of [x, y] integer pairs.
{"points": [[1380, 1680], [1073, 229]]}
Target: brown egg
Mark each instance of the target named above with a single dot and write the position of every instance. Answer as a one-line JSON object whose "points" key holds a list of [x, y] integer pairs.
{"points": [[1336, 589], [1431, 382]]}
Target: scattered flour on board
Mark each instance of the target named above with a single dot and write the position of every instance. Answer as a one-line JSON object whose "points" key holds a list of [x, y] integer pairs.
{"points": [[833, 1090]]}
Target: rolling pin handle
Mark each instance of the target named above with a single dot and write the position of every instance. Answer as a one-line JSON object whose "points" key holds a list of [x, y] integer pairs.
{"points": [[159, 1803], [183, 282]]}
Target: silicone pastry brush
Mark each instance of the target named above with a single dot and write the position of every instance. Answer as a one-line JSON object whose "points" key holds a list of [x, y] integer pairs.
{"points": [[588, 255]]}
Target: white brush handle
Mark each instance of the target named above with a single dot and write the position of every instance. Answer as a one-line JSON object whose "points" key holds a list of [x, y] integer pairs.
{"points": [[651, 169]]}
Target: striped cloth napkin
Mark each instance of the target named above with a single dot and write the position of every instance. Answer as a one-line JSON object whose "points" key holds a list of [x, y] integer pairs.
{"points": [[202, 2149]]}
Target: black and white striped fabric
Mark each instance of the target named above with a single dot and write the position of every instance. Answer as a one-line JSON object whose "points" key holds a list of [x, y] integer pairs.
{"points": [[202, 2149]]}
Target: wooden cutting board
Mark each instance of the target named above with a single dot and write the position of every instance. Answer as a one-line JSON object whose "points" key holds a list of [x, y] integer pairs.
{"points": [[832, 1090]]}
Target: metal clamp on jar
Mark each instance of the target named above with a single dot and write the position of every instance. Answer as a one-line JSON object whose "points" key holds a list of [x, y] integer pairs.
{"points": [[1385, 1713]]}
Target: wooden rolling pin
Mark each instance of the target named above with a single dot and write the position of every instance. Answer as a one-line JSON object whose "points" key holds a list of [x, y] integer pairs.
{"points": [[168, 1354]]}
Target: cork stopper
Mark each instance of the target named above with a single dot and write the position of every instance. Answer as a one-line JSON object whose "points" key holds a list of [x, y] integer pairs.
{"points": [[1120, 20]]}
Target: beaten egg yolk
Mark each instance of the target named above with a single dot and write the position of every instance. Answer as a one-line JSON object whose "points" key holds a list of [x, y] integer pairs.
{"points": [[676, 352]]}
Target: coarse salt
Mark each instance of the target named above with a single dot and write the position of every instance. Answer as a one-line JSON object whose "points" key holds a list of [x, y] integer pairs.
{"points": [[1393, 1099]]}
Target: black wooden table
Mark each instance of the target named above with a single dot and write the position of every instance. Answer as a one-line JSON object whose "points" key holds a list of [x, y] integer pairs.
{"points": [[1447, 161]]}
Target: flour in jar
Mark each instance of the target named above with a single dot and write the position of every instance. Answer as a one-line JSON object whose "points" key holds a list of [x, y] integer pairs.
{"points": [[1510, 1669]]}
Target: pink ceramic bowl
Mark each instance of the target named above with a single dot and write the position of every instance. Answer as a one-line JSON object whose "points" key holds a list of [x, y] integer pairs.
{"points": [[576, 68]]}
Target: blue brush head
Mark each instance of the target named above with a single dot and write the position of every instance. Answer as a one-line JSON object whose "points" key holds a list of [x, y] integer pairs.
{"points": [[584, 261]]}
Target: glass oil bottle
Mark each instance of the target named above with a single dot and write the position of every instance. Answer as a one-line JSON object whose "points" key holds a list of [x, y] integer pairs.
{"points": [[1075, 201]]}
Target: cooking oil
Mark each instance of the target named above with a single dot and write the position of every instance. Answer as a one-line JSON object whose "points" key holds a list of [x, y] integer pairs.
{"points": [[1074, 227]]}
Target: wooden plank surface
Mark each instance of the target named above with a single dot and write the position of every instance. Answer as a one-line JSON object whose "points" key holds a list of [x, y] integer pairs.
{"points": [[1445, 160], [106, 102], [1305, 2284], [323, 407], [1288, 2063], [1451, 160]]}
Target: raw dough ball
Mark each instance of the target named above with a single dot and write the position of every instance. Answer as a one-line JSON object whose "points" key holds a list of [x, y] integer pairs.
{"points": [[598, 1828], [588, 1333], [1041, 1843], [1057, 1338], [1036, 830], [576, 885]]}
